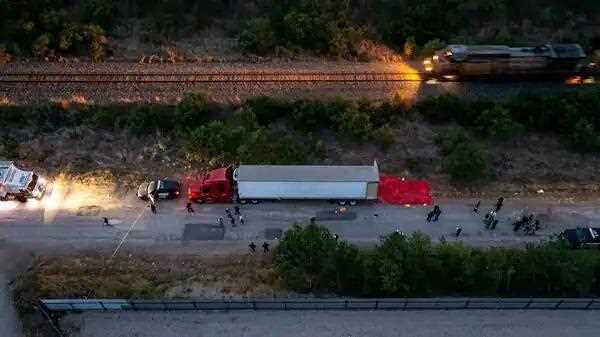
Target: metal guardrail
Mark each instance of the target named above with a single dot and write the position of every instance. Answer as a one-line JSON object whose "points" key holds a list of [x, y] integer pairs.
{"points": [[62, 305]]}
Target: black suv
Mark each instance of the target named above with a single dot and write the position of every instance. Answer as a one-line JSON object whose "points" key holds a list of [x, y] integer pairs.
{"points": [[159, 189], [583, 237]]}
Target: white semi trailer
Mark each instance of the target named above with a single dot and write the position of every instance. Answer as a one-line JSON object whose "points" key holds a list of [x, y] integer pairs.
{"points": [[343, 184], [19, 184]]}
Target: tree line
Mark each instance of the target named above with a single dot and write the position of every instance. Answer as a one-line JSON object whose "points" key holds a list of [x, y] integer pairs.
{"points": [[312, 259], [45, 28]]}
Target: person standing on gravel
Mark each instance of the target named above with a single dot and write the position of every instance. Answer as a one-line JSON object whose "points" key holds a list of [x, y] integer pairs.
{"points": [[499, 203], [236, 209], [430, 216], [242, 221], [189, 208], [458, 230], [476, 208], [265, 247], [437, 212], [252, 247]]}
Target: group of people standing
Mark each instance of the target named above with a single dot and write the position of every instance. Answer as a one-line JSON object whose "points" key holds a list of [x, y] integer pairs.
{"points": [[232, 216]]}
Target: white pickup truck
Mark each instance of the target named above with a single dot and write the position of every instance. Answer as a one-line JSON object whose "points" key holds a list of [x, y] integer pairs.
{"points": [[19, 184]]}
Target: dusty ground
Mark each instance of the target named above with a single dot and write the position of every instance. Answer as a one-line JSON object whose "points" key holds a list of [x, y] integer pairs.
{"points": [[521, 166], [336, 324]]}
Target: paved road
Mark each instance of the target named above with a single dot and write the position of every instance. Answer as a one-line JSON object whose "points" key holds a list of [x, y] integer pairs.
{"points": [[23, 224], [336, 324]]}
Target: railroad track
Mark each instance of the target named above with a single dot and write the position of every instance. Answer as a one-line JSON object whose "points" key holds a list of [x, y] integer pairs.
{"points": [[233, 77]]}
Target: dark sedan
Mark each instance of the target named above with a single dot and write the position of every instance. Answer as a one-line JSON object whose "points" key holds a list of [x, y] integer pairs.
{"points": [[159, 189]]}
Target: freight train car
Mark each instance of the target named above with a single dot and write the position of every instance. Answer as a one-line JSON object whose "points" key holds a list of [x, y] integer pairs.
{"points": [[497, 61]]}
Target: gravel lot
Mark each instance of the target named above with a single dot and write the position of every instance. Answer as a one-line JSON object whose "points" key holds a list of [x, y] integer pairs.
{"points": [[336, 324]]}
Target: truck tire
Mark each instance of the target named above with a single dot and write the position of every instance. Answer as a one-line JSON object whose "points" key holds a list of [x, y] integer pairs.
{"points": [[255, 201], [243, 201], [353, 202], [342, 202]]}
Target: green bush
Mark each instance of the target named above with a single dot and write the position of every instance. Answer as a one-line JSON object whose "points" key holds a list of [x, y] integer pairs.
{"points": [[268, 109], [431, 47], [384, 136], [498, 123], [410, 48], [466, 163], [412, 266], [258, 37], [350, 120], [311, 259], [462, 159], [445, 108], [584, 138], [221, 144], [192, 111]]}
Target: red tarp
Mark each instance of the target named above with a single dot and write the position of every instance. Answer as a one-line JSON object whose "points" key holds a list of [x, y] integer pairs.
{"points": [[394, 190]]}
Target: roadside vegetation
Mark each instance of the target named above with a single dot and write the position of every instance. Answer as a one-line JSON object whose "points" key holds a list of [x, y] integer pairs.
{"points": [[311, 259], [340, 28], [276, 131]]}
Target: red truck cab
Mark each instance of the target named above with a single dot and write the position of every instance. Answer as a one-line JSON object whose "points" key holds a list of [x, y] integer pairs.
{"points": [[213, 187]]}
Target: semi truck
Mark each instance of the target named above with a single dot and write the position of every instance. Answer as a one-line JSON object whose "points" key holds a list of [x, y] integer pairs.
{"points": [[255, 183], [17, 184]]}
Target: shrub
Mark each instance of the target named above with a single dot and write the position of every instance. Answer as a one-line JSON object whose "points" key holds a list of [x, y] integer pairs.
{"points": [[147, 119], [410, 47], [350, 120], [402, 266], [258, 37], [192, 111], [445, 108], [41, 45], [268, 109], [584, 137], [384, 136], [466, 162], [431, 46], [99, 46], [310, 115], [497, 123], [312, 259]]}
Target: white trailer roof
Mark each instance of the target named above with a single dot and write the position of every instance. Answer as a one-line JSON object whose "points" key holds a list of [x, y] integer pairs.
{"points": [[307, 173], [11, 176]]}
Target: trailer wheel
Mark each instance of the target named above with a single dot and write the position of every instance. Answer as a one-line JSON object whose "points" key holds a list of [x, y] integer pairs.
{"points": [[342, 202], [243, 201], [353, 202], [254, 201]]}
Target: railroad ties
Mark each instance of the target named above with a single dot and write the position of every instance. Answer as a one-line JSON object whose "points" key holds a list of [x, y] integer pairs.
{"points": [[234, 77]]}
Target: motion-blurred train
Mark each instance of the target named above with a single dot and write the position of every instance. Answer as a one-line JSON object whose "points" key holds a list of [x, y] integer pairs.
{"points": [[549, 61]]}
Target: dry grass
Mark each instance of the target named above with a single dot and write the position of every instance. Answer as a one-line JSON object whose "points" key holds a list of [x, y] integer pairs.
{"points": [[146, 276]]}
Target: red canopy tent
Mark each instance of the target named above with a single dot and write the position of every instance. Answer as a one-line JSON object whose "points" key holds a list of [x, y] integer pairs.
{"points": [[394, 190]]}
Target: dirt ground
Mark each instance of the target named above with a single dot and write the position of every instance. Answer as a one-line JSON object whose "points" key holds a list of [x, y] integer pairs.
{"points": [[524, 166]]}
